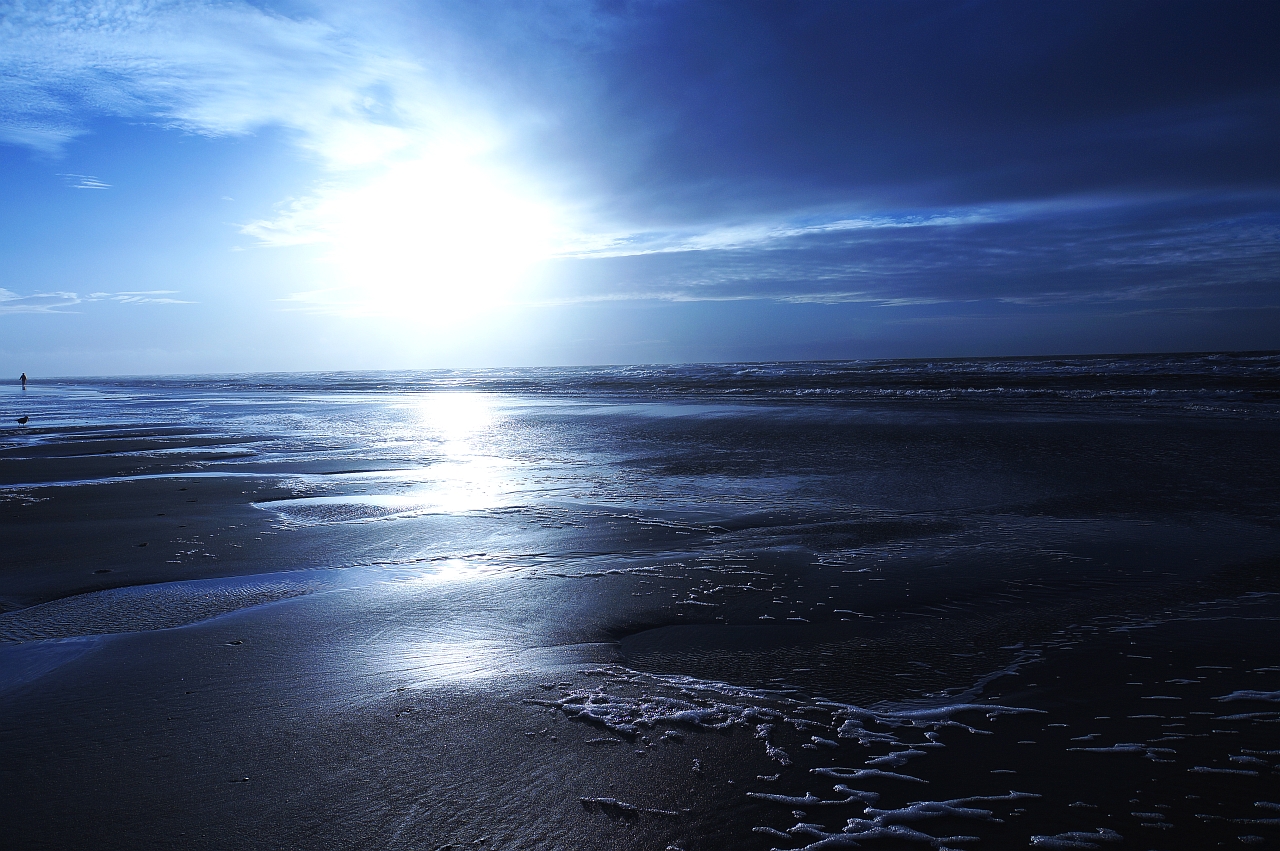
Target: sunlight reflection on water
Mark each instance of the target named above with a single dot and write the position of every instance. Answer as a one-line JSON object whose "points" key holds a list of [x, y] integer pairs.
{"points": [[433, 661], [427, 663], [459, 473], [449, 570], [466, 479], [456, 417]]}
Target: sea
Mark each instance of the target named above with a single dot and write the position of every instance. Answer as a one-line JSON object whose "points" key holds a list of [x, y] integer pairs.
{"points": [[976, 603]]}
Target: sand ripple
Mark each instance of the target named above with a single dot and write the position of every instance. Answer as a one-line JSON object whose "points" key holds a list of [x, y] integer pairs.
{"points": [[145, 607]]}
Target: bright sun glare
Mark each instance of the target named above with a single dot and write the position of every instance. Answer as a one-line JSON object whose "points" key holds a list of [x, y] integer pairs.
{"points": [[440, 236], [465, 476]]}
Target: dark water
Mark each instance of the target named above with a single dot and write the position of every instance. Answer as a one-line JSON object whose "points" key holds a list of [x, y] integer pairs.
{"points": [[986, 603]]}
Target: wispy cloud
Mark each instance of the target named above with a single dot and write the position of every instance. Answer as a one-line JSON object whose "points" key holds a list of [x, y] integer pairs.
{"points": [[1143, 250], [139, 297], [331, 301], [214, 69], [760, 234], [84, 181], [51, 302], [62, 301]]}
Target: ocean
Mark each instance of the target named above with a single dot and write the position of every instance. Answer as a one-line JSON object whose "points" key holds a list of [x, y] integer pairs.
{"points": [[1000, 603]]}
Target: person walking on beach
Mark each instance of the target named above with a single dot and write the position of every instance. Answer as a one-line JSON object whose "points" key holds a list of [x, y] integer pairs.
{"points": [[24, 381]]}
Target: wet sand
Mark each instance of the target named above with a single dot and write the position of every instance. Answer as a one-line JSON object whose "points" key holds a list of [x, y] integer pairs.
{"points": [[628, 626]]}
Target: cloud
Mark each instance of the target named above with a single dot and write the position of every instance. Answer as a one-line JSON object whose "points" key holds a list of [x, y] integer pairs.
{"points": [[759, 106], [1076, 251], [759, 234], [62, 301], [84, 181], [52, 302], [140, 297], [216, 69]]}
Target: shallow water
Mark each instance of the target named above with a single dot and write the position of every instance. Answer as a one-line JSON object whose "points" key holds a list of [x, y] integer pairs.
{"points": [[885, 604]]}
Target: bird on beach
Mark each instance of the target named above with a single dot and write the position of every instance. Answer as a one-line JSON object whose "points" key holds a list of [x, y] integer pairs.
{"points": [[23, 420]]}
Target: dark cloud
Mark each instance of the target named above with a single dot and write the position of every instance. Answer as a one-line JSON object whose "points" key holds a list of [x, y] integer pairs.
{"points": [[1083, 159], [1209, 253], [686, 111]]}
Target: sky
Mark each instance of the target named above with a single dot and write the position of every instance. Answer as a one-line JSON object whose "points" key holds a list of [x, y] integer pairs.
{"points": [[230, 186]]}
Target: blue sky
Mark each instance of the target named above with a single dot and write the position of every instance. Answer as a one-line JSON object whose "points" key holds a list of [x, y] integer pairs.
{"points": [[234, 186]]}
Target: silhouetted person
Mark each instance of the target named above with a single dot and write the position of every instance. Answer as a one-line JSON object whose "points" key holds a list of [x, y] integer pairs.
{"points": [[24, 381]]}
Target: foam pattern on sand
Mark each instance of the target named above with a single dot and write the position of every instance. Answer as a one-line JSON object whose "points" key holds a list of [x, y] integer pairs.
{"points": [[652, 708], [1076, 839], [146, 607], [849, 775], [893, 823]]}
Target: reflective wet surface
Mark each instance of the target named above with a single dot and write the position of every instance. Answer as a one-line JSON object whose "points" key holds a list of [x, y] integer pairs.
{"points": [[964, 604]]}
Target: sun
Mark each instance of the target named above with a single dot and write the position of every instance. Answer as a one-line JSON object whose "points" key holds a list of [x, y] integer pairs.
{"points": [[440, 236]]}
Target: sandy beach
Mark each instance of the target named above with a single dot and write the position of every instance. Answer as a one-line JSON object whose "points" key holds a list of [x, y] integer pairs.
{"points": [[469, 619]]}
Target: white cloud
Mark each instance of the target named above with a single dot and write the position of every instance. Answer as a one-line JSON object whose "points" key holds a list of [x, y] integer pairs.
{"points": [[84, 181], [61, 301], [140, 297], [54, 302], [763, 234], [224, 68], [790, 231]]}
